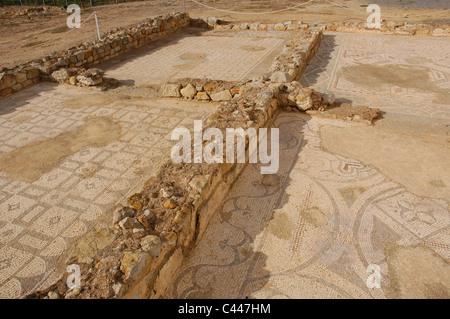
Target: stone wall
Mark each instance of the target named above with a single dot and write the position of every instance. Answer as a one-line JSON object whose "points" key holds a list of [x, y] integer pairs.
{"points": [[120, 41], [113, 44], [209, 188], [399, 28], [394, 28], [156, 231], [162, 223]]}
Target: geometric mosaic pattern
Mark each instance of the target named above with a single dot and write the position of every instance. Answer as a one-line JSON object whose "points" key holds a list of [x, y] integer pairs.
{"points": [[313, 231], [342, 50], [39, 220], [218, 57]]}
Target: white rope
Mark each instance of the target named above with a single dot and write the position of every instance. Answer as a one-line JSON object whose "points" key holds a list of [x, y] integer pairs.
{"points": [[305, 3], [236, 12], [65, 34], [92, 14], [426, 14]]}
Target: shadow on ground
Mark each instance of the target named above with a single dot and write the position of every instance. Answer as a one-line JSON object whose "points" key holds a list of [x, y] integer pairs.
{"points": [[227, 262]]}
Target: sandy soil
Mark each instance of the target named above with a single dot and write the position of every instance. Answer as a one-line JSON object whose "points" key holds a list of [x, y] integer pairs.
{"points": [[25, 37]]}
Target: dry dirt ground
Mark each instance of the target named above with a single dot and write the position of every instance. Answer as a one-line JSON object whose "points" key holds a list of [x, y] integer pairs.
{"points": [[29, 36]]}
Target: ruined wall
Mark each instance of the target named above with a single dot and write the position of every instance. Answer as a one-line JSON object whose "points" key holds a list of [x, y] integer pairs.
{"points": [[144, 255], [393, 28], [120, 41], [113, 44], [254, 106], [158, 228]]}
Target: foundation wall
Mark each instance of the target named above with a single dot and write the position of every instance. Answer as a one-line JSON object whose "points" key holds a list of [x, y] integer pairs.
{"points": [[89, 54], [390, 28], [158, 276], [150, 272]]}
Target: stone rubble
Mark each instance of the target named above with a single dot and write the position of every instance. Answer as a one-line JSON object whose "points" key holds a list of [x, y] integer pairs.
{"points": [[120, 41], [80, 77], [161, 224], [152, 245], [281, 77], [221, 96], [387, 27], [89, 54], [189, 91], [90, 77]]}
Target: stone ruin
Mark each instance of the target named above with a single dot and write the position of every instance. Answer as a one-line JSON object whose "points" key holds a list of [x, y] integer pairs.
{"points": [[150, 237]]}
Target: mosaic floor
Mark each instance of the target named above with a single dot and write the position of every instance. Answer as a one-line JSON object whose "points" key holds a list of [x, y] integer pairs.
{"points": [[225, 57], [313, 231], [417, 54], [39, 219], [310, 232]]}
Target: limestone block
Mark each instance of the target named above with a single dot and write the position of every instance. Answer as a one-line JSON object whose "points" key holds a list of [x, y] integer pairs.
{"points": [[21, 77], [171, 90], [133, 265], [189, 91], [224, 95], [152, 245], [281, 76], [202, 96], [61, 75]]}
